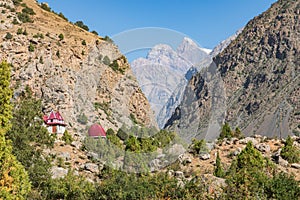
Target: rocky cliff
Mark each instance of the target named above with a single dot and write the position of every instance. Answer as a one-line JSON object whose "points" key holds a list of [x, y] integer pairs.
{"points": [[74, 71], [253, 84], [162, 75]]}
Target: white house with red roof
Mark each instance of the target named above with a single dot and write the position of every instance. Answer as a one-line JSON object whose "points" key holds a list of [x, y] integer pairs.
{"points": [[54, 122]]}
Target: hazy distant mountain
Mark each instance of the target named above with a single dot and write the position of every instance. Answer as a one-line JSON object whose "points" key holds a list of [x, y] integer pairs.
{"points": [[252, 84], [164, 70], [194, 54]]}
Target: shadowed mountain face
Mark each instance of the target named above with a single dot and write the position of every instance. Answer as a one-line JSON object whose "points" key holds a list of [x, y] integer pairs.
{"points": [[258, 74], [164, 71]]}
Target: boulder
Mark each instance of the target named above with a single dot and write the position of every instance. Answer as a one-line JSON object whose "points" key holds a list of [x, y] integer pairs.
{"points": [[184, 158], [94, 168], [155, 165], [263, 147], [295, 165], [65, 156], [204, 156], [76, 144], [58, 172], [179, 174], [248, 139]]}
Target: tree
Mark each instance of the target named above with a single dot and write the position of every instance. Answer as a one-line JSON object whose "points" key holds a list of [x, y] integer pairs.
{"points": [[82, 25], [225, 132], [14, 182], [29, 138], [247, 175], [283, 186], [290, 152], [218, 170], [5, 96], [199, 146]]}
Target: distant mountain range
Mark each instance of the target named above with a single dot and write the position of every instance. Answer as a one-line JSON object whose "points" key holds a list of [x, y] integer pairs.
{"points": [[164, 71]]}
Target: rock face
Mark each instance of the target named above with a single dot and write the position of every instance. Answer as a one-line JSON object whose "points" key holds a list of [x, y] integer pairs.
{"points": [[162, 75], [84, 77], [258, 75]]}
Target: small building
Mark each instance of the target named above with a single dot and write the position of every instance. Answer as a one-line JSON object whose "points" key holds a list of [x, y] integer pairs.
{"points": [[97, 131], [54, 122]]}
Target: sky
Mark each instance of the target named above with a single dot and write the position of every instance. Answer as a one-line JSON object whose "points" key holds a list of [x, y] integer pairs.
{"points": [[207, 22]]}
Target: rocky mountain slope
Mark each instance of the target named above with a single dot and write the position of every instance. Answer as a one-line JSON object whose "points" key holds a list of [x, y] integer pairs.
{"points": [[163, 72], [73, 71], [177, 96], [252, 84]]}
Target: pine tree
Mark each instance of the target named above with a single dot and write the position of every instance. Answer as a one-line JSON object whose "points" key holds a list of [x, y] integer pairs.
{"points": [[14, 181], [29, 138], [218, 170], [225, 132], [290, 152], [247, 176]]}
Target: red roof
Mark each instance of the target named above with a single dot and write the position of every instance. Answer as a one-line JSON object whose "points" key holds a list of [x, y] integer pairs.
{"points": [[54, 119], [97, 131], [52, 115]]}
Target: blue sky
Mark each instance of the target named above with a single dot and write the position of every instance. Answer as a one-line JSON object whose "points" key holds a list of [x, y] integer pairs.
{"points": [[208, 22]]}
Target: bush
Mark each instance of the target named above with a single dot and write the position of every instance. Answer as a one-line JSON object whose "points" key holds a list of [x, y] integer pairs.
{"points": [[45, 7], [83, 42], [61, 36], [82, 25], [108, 39], [62, 16], [58, 54], [67, 137], [225, 132], [198, 146], [283, 186], [24, 17], [218, 169], [31, 47], [19, 31], [82, 119], [8, 36], [28, 11], [290, 152], [94, 32]]}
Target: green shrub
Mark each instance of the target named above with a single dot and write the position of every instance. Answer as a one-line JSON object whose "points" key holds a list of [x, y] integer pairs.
{"points": [[67, 137], [19, 31], [198, 146], [31, 47], [39, 35], [45, 7], [17, 2], [81, 25], [62, 16], [108, 39], [25, 32], [218, 169], [61, 36], [82, 119], [225, 132], [58, 53], [94, 32], [283, 186], [290, 152], [28, 11], [8, 36], [24, 17], [83, 42]]}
